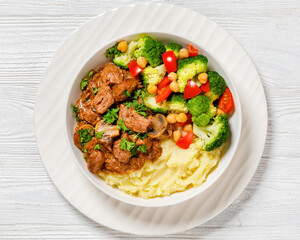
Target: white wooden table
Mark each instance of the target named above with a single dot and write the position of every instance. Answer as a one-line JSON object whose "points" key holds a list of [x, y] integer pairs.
{"points": [[31, 207]]}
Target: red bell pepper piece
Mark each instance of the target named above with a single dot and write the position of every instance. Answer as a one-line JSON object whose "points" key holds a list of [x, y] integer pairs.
{"points": [[205, 87], [163, 94], [192, 50], [185, 141], [226, 103], [134, 68], [170, 61], [165, 82], [191, 90]]}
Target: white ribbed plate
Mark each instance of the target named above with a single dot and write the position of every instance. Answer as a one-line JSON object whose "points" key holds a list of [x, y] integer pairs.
{"points": [[49, 119]]}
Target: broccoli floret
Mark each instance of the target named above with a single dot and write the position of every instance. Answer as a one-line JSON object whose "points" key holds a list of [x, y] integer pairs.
{"points": [[151, 75], [151, 49], [149, 101], [122, 59], [190, 67], [177, 103], [113, 51], [217, 85], [202, 110], [201, 120], [175, 47], [214, 135], [199, 104]]}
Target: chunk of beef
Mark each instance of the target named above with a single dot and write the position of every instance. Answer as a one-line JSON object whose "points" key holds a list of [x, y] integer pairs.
{"points": [[95, 161], [154, 152], [134, 121], [135, 164], [85, 111], [146, 141], [89, 146], [129, 83], [109, 75], [77, 138], [122, 155], [112, 165], [103, 100]]}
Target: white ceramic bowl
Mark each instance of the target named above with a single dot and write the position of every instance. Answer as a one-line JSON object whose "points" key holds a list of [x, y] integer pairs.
{"points": [[98, 59]]}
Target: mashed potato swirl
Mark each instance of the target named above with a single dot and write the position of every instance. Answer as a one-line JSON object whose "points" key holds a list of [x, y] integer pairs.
{"points": [[176, 170]]}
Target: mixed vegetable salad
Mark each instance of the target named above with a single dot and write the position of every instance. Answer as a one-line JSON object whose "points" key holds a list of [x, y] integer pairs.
{"points": [[177, 83]]}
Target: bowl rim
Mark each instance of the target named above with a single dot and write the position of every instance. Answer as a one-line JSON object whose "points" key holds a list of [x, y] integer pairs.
{"points": [[205, 185]]}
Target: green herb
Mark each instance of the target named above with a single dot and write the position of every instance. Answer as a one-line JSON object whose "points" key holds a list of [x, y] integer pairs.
{"points": [[111, 115], [128, 146], [99, 134], [138, 107], [126, 93], [91, 74], [85, 99], [77, 118], [95, 90], [84, 82], [142, 148], [121, 125], [97, 147], [85, 136], [136, 94], [84, 150], [141, 135], [75, 109]]}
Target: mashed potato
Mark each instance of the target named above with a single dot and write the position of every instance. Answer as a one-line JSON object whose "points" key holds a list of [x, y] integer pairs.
{"points": [[176, 170]]}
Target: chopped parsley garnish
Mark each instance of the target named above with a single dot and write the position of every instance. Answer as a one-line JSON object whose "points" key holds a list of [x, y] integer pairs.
{"points": [[121, 125], [97, 147], [84, 82], [111, 115], [128, 146], [141, 135], [95, 90], [76, 112], [136, 94], [77, 118], [85, 99], [91, 74], [126, 93], [85, 136], [142, 148], [138, 107], [84, 150], [75, 109], [99, 134]]}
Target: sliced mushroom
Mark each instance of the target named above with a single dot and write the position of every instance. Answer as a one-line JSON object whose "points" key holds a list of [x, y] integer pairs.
{"points": [[157, 126], [110, 131]]}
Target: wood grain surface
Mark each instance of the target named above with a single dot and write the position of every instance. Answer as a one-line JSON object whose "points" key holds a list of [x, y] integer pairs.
{"points": [[32, 208]]}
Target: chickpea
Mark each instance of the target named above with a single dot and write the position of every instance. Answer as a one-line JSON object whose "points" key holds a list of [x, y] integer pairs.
{"points": [[172, 76], [142, 62], [181, 117], [122, 46], [202, 77], [183, 53], [152, 89], [188, 128], [176, 135], [171, 118], [174, 86], [219, 111]]}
